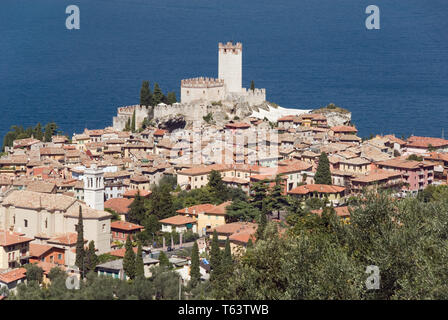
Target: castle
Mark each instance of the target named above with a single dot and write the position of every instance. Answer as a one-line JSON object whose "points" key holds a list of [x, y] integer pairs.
{"points": [[228, 86], [198, 93]]}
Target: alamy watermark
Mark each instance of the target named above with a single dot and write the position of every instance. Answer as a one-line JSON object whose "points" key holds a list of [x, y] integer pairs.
{"points": [[373, 20], [73, 20], [373, 281], [73, 279]]}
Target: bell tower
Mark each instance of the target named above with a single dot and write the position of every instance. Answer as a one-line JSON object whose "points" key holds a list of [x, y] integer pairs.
{"points": [[94, 187]]}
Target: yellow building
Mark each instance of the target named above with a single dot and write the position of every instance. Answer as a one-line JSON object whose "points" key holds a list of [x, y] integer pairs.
{"points": [[211, 218], [355, 165]]}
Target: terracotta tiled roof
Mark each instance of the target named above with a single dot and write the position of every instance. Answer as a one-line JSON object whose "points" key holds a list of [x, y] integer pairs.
{"points": [[178, 220], [238, 125], [319, 188], [37, 250], [36, 200], [8, 238], [340, 211], [132, 193], [13, 275], [68, 238], [159, 132], [41, 186], [123, 225], [235, 180], [201, 170], [405, 164], [424, 142], [344, 129], [47, 266], [121, 252], [194, 210], [395, 139], [231, 228], [119, 205], [139, 179], [220, 209], [377, 175]]}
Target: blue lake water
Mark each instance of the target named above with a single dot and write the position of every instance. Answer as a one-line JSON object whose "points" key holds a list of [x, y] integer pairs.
{"points": [[305, 53]]}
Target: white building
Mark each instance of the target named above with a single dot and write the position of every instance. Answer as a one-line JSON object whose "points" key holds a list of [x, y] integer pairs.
{"points": [[94, 187]]}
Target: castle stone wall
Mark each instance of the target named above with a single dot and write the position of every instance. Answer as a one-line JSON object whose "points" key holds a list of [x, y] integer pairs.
{"points": [[207, 89], [125, 113]]}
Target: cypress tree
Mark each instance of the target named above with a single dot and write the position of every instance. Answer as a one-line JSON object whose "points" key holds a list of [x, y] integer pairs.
{"points": [[133, 122], [80, 252], [48, 133], [323, 174], [262, 223], [171, 98], [91, 257], [129, 259], [38, 134], [227, 260], [158, 96], [139, 266], [215, 252], [195, 272], [252, 85], [163, 260], [145, 94]]}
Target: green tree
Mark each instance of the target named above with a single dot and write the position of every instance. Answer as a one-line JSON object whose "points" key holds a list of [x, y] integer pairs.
{"points": [[133, 128], [241, 211], [139, 266], [157, 96], [171, 98], [215, 252], [145, 94], [217, 187], [38, 134], [50, 130], [129, 266], [252, 85], [262, 223], [163, 260], [161, 202], [195, 273], [91, 259], [137, 210], [34, 273], [323, 174], [277, 200], [80, 252], [259, 192]]}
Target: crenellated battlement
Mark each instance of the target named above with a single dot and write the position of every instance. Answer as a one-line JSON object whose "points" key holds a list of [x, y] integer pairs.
{"points": [[230, 47], [255, 92], [202, 82]]}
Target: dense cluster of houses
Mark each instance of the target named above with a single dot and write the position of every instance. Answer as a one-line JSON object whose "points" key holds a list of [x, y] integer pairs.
{"points": [[43, 184]]}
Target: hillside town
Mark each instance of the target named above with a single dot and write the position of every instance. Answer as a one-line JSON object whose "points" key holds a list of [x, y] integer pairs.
{"points": [[112, 180]]}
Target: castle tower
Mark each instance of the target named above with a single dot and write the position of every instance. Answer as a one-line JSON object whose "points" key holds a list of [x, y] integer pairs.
{"points": [[94, 187], [230, 64]]}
